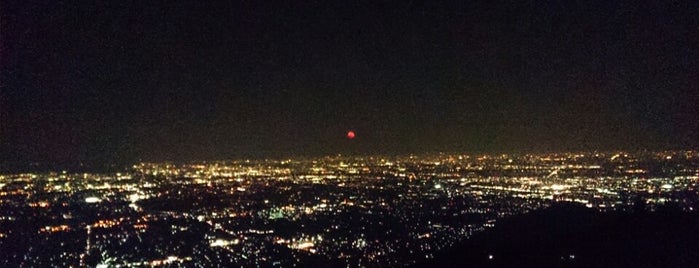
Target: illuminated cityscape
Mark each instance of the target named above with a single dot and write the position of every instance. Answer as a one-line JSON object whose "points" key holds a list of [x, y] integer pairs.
{"points": [[336, 211], [342, 134]]}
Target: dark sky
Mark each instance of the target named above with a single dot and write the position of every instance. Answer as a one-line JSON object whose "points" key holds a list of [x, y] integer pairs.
{"points": [[184, 80]]}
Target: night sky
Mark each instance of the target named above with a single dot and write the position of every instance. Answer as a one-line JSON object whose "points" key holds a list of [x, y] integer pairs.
{"points": [[131, 81]]}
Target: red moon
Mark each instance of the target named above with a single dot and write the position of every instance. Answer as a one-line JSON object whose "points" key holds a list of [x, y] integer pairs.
{"points": [[350, 135]]}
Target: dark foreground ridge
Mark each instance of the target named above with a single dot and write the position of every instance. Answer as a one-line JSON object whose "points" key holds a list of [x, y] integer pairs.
{"points": [[569, 235]]}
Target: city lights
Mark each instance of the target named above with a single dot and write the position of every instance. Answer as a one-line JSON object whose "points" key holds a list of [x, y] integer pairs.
{"points": [[360, 210]]}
